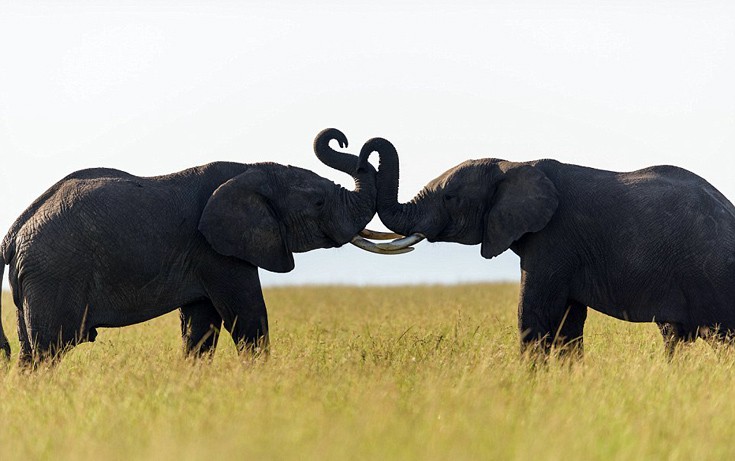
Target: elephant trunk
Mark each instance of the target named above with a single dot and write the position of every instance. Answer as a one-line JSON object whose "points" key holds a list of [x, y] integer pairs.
{"points": [[398, 217], [361, 201]]}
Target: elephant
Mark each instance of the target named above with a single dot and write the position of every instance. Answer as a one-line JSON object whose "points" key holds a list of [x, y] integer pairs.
{"points": [[105, 248], [653, 245]]}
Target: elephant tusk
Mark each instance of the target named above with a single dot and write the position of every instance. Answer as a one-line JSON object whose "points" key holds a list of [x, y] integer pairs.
{"points": [[376, 235], [367, 245], [403, 243]]}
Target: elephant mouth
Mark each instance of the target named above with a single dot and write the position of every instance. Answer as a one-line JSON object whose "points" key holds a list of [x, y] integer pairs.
{"points": [[398, 245], [323, 241]]}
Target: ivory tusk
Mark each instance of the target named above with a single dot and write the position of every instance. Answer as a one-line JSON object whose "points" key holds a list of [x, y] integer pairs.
{"points": [[375, 235], [405, 242], [367, 245]]}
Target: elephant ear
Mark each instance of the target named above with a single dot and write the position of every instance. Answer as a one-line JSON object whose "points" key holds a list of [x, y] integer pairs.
{"points": [[239, 220], [524, 201]]}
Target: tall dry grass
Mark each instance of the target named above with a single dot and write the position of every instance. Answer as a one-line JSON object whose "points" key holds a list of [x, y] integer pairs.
{"points": [[373, 373]]}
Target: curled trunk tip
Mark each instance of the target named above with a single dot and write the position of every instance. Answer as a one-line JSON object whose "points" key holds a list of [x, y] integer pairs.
{"points": [[325, 136], [385, 149], [340, 161]]}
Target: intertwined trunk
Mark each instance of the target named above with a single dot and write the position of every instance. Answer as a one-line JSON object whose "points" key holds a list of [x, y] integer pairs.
{"points": [[398, 217]]}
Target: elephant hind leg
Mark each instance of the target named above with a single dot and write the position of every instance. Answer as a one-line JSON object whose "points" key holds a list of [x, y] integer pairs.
{"points": [[25, 357], [48, 347], [49, 344], [200, 327], [675, 334], [717, 335], [47, 329]]}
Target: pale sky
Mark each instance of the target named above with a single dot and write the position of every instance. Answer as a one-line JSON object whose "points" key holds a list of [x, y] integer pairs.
{"points": [[152, 87]]}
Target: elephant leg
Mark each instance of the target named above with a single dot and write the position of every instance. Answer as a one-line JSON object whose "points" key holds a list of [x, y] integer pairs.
{"points": [[717, 336], [239, 301], [569, 334], [48, 346], [200, 327], [674, 334], [546, 317], [49, 343], [25, 356], [249, 328], [53, 322]]}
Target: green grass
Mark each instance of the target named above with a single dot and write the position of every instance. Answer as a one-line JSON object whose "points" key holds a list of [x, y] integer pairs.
{"points": [[426, 373]]}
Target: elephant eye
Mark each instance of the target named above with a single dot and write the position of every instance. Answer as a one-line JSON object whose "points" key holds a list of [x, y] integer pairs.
{"points": [[319, 203], [449, 197]]}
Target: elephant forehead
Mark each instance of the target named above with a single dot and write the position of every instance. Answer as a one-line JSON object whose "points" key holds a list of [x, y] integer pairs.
{"points": [[463, 175], [308, 190], [299, 179], [286, 172]]}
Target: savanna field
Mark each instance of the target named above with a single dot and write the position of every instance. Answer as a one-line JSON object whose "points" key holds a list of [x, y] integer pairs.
{"points": [[427, 372]]}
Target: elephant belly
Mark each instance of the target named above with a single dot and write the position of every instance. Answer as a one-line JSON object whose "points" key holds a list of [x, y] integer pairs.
{"points": [[108, 318], [642, 313], [118, 309], [694, 301]]}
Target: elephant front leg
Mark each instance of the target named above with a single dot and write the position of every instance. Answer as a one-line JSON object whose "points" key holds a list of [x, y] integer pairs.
{"points": [[569, 333], [547, 318], [250, 329], [200, 327], [240, 303]]}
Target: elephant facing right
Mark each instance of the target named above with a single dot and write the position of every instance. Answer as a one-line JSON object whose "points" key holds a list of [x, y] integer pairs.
{"points": [[103, 248], [653, 245]]}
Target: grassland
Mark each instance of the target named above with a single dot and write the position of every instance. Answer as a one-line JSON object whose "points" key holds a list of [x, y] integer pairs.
{"points": [[429, 373]]}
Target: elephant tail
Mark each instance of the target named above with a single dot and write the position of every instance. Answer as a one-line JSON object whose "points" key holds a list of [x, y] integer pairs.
{"points": [[4, 344]]}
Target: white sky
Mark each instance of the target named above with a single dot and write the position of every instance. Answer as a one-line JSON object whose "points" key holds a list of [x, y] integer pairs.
{"points": [[152, 87]]}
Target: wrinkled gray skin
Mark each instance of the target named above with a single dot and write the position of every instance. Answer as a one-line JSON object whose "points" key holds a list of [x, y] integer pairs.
{"points": [[104, 248], [656, 244]]}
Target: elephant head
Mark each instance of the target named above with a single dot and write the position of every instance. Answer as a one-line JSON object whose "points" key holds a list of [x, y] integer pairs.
{"points": [[270, 211], [490, 202]]}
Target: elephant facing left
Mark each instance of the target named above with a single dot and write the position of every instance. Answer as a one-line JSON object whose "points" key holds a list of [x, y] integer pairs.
{"points": [[104, 248]]}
